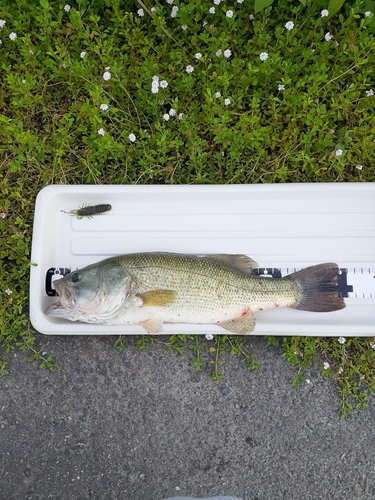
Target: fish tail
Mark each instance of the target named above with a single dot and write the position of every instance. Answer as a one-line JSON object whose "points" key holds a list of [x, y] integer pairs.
{"points": [[317, 288]]}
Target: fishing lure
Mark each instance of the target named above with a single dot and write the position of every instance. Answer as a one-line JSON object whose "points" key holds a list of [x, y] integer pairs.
{"points": [[89, 211]]}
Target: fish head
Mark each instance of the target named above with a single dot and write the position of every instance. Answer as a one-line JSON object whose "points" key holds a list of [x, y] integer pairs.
{"points": [[93, 294]]}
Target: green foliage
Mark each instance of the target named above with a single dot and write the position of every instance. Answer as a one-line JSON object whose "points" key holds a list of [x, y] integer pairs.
{"points": [[285, 121], [333, 6]]}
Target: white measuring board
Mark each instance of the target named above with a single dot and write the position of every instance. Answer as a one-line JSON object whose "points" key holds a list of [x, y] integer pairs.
{"points": [[281, 226]]}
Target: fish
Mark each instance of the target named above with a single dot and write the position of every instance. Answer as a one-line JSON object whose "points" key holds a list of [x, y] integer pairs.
{"points": [[154, 288]]}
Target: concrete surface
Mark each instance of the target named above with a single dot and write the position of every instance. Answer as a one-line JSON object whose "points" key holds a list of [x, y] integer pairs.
{"points": [[146, 426]]}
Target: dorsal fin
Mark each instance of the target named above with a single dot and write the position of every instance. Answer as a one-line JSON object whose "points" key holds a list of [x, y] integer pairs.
{"points": [[237, 262]]}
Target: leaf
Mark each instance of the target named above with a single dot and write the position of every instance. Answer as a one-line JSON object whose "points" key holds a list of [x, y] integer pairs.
{"points": [[370, 5], [334, 6], [262, 4], [322, 3]]}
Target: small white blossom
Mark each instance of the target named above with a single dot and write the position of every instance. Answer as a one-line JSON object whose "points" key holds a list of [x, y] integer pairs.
{"points": [[341, 340], [209, 336], [372, 345], [359, 167], [326, 365], [12, 36], [24, 81], [2, 23], [263, 56], [227, 53], [229, 13], [107, 75], [180, 116], [328, 37], [217, 2], [166, 117], [140, 12], [212, 10], [184, 27], [132, 137], [289, 25], [164, 84], [281, 87], [172, 112], [2, 215], [198, 55], [251, 17], [337, 44], [104, 107], [324, 13], [204, 23], [101, 131], [155, 78], [239, 1], [341, 369], [227, 101], [217, 95], [174, 11], [219, 53], [67, 8], [1, 42], [107, 68], [8, 291], [369, 93], [155, 87], [339, 152], [153, 9], [367, 13], [308, 381], [189, 69], [82, 55], [170, 2]]}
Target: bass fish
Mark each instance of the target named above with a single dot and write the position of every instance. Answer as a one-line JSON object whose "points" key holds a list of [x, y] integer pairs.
{"points": [[155, 288]]}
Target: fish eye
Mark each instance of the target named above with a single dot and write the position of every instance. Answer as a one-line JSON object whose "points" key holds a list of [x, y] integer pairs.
{"points": [[76, 277]]}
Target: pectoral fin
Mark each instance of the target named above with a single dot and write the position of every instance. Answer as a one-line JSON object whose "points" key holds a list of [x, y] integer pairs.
{"points": [[157, 297], [242, 324]]}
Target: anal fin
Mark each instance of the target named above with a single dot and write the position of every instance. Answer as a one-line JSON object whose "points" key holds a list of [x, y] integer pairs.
{"points": [[241, 325]]}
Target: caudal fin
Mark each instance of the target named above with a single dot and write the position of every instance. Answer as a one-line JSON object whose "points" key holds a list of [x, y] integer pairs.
{"points": [[317, 288]]}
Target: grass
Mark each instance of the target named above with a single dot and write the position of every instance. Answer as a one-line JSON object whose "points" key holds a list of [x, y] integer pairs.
{"points": [[303, 114]]}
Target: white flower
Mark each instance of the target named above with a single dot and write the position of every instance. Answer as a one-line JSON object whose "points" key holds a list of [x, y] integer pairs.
{"points": [[153, 9], [189, 69], [24, 81], [359, 167], [217, 95], [308, 381], [67, 8], [164, 84], [219, 52], [227, 53], [372, 345], [341, 369], [172, 112], [12, 36], [367, 13], [155, 87], [324, 13], [104, 107], [184, 27], [1, 42], [339, 152], [217, 2], [251, 17], [198, 55], [8, 291], [170, 2], [2, 215], [155, 78], [263, 56], [209, 336], [107, 68], [328, 37], [239, 1], [227, 101], [107, 75], [281, 87], [341, 340], [212, 10], [2, 23], [166, 117], [289, 25], [229, 13], [82, 55], [101, 131], [140, 12], [132, 137], [369, 93], [204, 23], [326, 365], [174, 11]]}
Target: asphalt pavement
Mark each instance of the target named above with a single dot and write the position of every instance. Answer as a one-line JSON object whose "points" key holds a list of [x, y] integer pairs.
{"points": [[111, 425]]}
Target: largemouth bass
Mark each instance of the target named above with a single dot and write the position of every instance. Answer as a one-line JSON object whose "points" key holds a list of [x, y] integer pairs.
{"points": [[155, 288]]}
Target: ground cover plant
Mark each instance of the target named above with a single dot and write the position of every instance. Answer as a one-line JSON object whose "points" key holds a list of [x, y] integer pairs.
{"points": [[177, 92]]}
